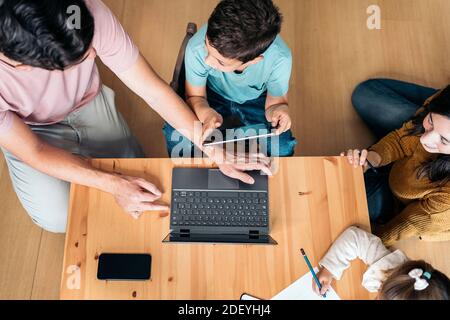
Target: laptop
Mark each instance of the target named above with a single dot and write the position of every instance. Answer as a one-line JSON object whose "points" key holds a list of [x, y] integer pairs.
{"points": [[209, 207]]}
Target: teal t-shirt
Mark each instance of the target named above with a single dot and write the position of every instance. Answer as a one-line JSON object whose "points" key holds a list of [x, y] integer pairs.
{"points": [[272, 74]]}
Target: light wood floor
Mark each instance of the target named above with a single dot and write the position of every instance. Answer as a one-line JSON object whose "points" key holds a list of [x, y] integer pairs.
{"points": [[333, 52]]}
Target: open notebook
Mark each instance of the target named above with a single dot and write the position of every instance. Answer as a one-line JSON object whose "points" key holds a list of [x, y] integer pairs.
{"points": [[302, 290]]}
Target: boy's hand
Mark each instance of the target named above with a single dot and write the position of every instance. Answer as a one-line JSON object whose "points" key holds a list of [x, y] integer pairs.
{"points": [[279, 117], [325, 279], [211, 121]]}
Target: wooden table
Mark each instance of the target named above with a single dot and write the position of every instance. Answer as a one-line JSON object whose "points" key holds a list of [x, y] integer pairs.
{"points": [[312, 200]]}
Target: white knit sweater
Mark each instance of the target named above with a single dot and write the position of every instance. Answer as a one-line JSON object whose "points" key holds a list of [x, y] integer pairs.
{"points": [[356, 243]]}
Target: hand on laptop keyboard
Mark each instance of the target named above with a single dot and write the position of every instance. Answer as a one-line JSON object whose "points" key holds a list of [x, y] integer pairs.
{"points": [[235, 165]]}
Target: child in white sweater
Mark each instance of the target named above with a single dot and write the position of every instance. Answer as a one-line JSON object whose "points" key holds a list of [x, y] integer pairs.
{"points": [[389, 273]]}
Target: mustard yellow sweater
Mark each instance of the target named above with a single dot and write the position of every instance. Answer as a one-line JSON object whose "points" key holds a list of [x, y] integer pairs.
{"points": [[427, 212]]}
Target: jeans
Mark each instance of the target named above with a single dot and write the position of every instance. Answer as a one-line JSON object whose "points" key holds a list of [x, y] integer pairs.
{"points": [[97, 130], [250, 113], [385, 105]]}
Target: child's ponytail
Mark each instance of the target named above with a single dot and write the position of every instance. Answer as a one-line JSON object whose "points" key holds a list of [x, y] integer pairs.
{"points": [[415, 280]]}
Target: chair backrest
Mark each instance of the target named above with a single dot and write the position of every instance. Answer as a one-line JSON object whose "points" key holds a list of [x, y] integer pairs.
{"points": [[179, 74]]}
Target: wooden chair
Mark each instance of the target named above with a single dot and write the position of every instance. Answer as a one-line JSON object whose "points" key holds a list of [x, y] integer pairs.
{"points": [[179, 74]]}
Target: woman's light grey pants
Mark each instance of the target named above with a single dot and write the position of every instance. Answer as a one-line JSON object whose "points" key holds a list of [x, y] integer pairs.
{"points": [[97, 130]]}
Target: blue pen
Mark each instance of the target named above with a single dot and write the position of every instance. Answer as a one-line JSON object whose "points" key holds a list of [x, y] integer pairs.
{"points": [[312, 271]]}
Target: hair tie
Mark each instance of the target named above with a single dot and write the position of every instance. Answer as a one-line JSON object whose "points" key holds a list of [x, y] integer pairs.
{"points": [[420, 284]]}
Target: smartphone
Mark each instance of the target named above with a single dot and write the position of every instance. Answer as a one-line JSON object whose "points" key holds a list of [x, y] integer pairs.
{"points": [[124, 267]]}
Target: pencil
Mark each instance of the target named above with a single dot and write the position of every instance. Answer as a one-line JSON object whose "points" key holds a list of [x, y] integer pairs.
{"points": [[312, 271]]}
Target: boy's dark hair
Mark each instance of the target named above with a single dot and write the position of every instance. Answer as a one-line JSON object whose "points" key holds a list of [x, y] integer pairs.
{"points": [[244, 29], [37, 33]]}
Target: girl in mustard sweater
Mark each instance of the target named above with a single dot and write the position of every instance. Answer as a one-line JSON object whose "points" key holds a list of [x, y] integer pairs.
{"points": [[408, 171]]}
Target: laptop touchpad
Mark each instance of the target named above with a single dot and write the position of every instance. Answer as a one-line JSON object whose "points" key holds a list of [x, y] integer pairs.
{"points": [[218, 181]]}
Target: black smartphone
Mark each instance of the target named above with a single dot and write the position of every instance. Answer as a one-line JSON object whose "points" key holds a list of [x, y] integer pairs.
{"points": [[124, 267]]}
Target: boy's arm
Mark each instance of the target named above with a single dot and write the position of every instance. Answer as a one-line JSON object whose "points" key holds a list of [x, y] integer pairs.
{"points": [[196, 98], [276, 101], [197, 72], [277, 105]]}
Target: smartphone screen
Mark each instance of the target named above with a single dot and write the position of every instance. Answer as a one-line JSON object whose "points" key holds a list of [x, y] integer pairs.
{"points": [[132, 267]]}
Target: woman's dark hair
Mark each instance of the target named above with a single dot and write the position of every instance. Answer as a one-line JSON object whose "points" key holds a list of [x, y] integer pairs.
{"points": [[400, 286], [244, 29], [37, 32], [437, 170]]}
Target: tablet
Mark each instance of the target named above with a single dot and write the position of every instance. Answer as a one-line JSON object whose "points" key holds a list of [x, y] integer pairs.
{"points": [[247, 133]]}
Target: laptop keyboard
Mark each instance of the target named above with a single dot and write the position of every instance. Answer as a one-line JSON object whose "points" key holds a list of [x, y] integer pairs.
{"points": [[211, 208]]}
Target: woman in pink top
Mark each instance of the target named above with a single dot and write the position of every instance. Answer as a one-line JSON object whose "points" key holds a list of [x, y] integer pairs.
{"points": [[54, 110]]}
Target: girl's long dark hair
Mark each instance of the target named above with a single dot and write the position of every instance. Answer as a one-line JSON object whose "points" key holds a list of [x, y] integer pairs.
{"points": [[437, 170]]}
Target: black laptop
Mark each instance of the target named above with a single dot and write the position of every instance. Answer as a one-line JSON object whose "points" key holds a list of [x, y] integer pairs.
{"points": [[209, 207]]}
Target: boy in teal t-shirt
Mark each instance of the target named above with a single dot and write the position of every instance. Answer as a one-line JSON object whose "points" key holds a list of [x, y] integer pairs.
{"points": [[237, 65]]}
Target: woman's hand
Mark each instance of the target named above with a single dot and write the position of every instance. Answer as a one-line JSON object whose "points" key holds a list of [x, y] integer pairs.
{"points": [[358, 158], [325, 278], [279, 117], [136, 195]]}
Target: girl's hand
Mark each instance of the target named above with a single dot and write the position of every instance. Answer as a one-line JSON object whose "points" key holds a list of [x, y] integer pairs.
{"points": [[325, 279], [358, 158]]}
